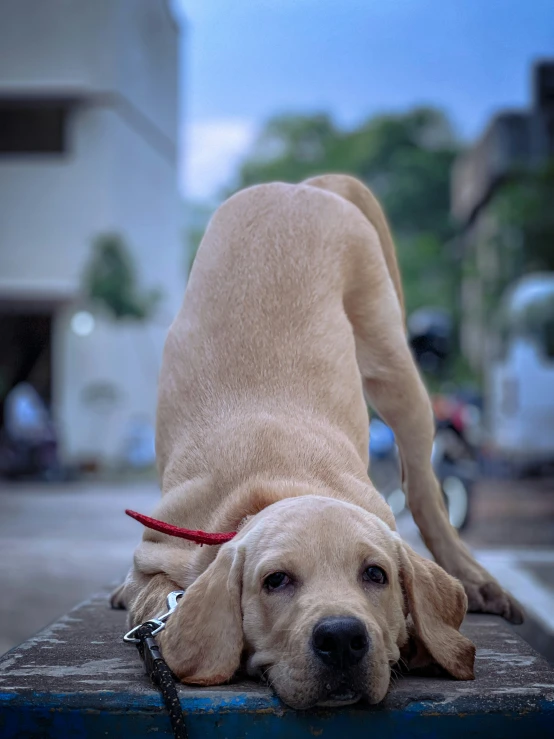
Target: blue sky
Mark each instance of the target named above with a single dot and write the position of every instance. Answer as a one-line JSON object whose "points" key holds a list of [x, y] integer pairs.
{"points": [[244, 60]]}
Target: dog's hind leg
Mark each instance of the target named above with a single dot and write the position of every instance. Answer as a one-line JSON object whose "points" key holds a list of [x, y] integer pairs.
{"points": [[374, 304], [394, 388]]}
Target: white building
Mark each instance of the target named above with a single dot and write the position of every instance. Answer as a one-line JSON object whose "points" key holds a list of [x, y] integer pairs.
{"points": [[88, 146]]}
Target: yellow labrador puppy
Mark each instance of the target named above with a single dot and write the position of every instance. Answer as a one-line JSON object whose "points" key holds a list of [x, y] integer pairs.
{"points": [[292, 318]]}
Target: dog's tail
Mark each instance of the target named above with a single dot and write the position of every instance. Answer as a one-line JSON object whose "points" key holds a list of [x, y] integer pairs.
{"points": [[361, 196]]}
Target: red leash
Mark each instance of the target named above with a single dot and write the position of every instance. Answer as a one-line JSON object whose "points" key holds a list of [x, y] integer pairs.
{"points": [[199, 537]]}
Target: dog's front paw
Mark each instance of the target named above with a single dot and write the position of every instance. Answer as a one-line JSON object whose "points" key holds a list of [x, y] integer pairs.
{"points": [[485, 595], [490, 597], [117, 598]]}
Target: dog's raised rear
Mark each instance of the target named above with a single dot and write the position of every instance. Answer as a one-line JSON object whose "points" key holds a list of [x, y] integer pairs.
{"points": [[292, 317]]}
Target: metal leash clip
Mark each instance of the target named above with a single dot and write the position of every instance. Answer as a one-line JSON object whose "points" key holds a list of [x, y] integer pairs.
{"points": [[159, 621]]}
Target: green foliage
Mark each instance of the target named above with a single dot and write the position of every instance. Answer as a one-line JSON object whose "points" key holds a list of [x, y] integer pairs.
{"points": [[429, 275], [291, 148], [194, 237], [405, 159], [526, 205], [110, 280], [197, 216], [522, 239]]}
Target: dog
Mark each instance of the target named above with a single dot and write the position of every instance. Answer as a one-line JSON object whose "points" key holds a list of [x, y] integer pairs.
{"points": [[292, 320]]}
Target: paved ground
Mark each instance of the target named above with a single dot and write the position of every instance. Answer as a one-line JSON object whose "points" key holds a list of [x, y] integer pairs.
{"points": [[514, 513], [59, 545]]}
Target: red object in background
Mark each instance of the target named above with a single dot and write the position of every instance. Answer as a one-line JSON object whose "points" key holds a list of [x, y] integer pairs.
{"points": [[447, 408]]}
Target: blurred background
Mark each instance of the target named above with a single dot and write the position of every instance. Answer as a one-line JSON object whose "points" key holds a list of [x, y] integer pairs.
{"points": [[124, 123]]}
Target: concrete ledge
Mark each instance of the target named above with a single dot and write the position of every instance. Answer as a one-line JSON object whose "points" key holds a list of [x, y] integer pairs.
{"points": [[77, 679]]}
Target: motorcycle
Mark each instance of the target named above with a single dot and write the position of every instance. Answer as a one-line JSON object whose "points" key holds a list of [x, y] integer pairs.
{"points": [[453, 457], [384, 465]]}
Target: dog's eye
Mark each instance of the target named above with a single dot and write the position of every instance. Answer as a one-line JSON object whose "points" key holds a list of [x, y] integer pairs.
{"points": [[375, 574], [276, 581]]}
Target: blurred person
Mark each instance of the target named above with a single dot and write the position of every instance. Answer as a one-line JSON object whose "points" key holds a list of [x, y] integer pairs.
{"points": [[30, 444]]}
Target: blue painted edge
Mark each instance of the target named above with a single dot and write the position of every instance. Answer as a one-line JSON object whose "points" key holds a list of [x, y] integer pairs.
{"points": [[112, 700], [247, 703], [43, 722], [36, 715]]}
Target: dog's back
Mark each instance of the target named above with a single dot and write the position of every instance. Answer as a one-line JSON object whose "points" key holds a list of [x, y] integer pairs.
{"points": [[263, 334]]}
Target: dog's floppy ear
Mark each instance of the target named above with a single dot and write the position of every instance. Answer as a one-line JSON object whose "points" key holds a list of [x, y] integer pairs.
{"points": [[203, 640], [437, 604]]}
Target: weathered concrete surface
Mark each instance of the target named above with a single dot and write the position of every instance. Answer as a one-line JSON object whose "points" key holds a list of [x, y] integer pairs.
{"points": [[59, 544], [78, 678]]}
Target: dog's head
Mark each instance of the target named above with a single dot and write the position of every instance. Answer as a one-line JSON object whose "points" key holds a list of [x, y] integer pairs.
{"points": [[319, 597]]}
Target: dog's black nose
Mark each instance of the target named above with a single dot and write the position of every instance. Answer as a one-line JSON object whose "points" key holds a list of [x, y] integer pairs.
{"points": [[340, 641]]}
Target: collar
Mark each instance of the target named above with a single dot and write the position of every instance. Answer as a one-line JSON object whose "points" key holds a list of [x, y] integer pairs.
{"points": [[198, 537]]}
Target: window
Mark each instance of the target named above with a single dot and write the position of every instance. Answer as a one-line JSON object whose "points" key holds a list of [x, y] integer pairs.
{"points": [[27, 128]]}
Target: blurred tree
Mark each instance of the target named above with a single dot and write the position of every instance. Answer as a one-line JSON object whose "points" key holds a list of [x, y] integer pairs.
{"points": [[405, 159], [525, 205], [198, 215], [520, 238], [110, 280]]}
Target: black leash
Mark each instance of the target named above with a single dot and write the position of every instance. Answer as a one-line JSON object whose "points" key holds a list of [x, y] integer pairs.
{"points": [[162, 677], [156, 667]]}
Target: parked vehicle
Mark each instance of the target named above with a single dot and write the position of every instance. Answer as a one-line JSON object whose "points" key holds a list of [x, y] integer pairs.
{"points": [[430, 334], [521, 375], [384, 465], [454, 460], [458, 414], [455, 455]]}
